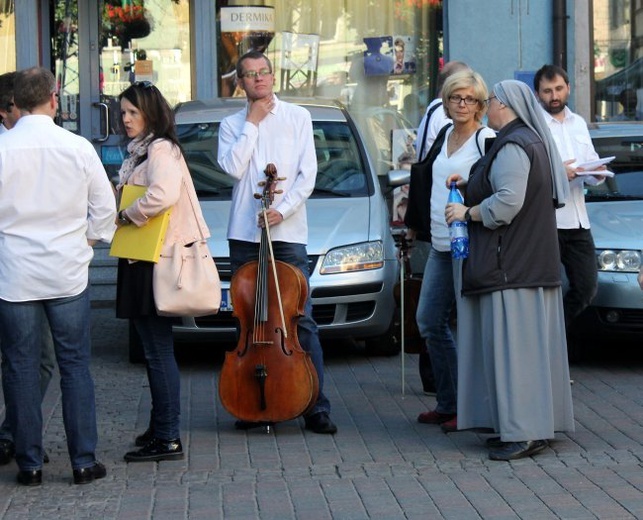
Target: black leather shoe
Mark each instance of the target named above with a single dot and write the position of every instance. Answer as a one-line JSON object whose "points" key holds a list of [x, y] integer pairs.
{"points": [[7, 451], [320, 423], [517, 450], [157, 449], [87, 475], [494, 442], [31, 477], [144, 438]]}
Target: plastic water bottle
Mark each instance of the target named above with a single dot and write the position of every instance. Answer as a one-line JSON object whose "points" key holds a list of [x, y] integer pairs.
{"points": [[457, 229]]}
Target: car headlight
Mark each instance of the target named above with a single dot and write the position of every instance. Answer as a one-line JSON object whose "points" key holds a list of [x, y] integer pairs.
{"points": [[626, 260], [358, 257]]}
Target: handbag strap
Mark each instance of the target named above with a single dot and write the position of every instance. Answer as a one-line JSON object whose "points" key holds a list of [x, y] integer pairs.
{"points": [[196, 217], [426, 127]]}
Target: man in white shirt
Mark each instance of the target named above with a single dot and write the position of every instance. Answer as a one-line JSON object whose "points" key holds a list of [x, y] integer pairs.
{"points": [[56, 202], [574, 143], [269, 130], [9, 116]]}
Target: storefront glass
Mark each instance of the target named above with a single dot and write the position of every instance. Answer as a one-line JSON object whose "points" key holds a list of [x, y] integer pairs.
{"points": [[7, 36], [138, 40], [618, 59], [377, 58]]}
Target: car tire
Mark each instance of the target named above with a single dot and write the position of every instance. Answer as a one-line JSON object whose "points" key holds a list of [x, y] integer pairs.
{"points": [[136, 354], [386, 344]]}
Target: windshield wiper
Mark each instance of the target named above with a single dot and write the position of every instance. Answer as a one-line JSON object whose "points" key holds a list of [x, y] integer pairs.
{"points": [[611, 196]]}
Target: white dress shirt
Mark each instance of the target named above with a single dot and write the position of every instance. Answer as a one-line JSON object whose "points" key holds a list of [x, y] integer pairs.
{"points": [[284, 138], [574, 142], [438, 120], [54, 196]]}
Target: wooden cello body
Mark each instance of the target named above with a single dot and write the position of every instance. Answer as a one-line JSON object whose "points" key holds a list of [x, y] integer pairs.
{"points": [[268, 378]]}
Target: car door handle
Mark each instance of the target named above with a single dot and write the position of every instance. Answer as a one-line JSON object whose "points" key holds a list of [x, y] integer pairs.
{"points": [[105, 136]]}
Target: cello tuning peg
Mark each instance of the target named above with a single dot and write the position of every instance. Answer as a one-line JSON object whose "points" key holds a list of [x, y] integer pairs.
{"points": [[281, 178], [261, 183], [278, 192], [257, 195]]}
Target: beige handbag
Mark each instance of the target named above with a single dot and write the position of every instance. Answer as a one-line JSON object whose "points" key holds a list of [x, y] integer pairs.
{"points": [[186, 283]]}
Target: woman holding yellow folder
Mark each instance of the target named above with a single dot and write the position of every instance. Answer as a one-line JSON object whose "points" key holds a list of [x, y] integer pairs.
{"points": [[155, 161]]}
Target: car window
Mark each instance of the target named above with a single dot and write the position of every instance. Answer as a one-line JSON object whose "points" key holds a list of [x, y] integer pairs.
{"points": [[340, 169], [623, 186]]}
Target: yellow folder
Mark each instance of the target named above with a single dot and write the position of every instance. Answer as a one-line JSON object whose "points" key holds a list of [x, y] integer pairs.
{"points": [[139, 243]]}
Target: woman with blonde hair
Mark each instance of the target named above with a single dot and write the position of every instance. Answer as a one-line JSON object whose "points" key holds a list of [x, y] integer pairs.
{"points": [[456, 149]]}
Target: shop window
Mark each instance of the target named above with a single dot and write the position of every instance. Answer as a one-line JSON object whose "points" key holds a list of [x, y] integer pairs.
{"points": [[371, 56], [7, 36]]}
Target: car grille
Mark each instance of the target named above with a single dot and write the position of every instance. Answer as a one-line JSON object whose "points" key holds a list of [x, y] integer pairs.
{"points": [[225, 269], [627, 317]]}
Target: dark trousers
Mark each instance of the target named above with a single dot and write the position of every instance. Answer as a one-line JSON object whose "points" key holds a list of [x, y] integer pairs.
{"points": [[578, 257]]}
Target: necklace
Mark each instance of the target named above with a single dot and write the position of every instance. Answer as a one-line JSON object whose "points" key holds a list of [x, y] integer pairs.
{"points": [[457, 140]]}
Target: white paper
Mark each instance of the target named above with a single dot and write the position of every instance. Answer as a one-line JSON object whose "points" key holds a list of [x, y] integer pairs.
{"points": [[591, 165], [604, 173]]}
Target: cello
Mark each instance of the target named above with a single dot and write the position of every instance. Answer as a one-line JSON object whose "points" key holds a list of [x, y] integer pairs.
{"points": [[268, 378]]}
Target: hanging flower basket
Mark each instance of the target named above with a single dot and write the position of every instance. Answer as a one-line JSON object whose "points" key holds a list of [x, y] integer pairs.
{"points": [[126, 19]]}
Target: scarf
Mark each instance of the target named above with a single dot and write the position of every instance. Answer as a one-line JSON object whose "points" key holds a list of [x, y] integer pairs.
{"points": [[137, 149], [519, 97]]}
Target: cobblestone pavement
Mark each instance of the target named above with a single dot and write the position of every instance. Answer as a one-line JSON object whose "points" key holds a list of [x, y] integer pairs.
{"points": [[381, 465]]}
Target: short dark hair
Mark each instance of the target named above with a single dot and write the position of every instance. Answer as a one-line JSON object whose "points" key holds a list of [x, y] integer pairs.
{"points": [[7, 81], [252, 55], [157, 112], [449, 68], [33, 87], [549, 72]]}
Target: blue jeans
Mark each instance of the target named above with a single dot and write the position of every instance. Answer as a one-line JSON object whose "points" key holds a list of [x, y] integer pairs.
{"points": [[163, 374], [578, 256], [294, 254], [21, 343], [437, 297], [47, 365]]}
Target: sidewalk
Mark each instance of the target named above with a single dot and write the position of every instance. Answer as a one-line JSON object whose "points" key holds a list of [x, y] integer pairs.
{"points": [[382, 464]]}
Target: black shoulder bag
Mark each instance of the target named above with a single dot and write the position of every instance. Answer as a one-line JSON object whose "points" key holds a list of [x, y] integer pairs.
{"points": [[418, 213]]}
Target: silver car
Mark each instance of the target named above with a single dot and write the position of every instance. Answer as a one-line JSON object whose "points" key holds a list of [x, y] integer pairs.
{"points": [[353, 265], [615, 211]]}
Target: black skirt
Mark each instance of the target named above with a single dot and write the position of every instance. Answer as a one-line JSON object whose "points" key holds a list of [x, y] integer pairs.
{"points": [[134, 291]]}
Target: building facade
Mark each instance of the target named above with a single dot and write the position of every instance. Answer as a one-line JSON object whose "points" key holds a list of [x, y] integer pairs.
{"points": [[365, 53]]}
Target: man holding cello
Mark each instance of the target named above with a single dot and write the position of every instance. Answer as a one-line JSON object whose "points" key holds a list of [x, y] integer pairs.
{"points": [[268, 131]]}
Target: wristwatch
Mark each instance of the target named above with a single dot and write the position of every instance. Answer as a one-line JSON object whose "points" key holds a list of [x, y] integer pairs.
{"points": [[467, 215], [122, 218]]}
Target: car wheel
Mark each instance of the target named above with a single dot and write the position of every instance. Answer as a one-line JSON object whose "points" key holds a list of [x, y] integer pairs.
{"points": [[385, 345], [136, 354]]}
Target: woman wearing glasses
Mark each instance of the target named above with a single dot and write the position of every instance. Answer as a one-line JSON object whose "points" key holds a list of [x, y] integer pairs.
{"points": [[156, 161], [513, 372], [463, 144]]}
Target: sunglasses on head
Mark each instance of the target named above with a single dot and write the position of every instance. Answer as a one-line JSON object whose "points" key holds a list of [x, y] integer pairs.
{"points": [[143, 84]]}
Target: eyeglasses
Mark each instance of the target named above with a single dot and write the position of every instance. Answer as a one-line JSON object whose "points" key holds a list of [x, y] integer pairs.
{"points": [[488, 100], [253, 74], [456, 100], [143, 84]]}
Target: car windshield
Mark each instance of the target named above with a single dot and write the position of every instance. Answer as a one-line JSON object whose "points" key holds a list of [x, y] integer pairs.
{"points": [[623, 186], [627, 148], [340, 167]]}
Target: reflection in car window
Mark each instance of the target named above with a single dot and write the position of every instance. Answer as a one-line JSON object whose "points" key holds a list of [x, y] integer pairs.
{"points": [[623, 186], [340, 170]]}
